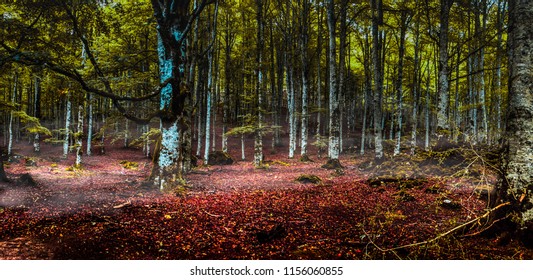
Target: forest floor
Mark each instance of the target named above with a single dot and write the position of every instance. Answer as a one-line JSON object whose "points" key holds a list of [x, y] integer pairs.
{"points": [[108, 210]]}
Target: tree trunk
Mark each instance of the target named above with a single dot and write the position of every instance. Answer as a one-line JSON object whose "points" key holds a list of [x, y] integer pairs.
{"points": [[304, 40], [258, 143], [443, 124], [378, 77], [37, 112], [210, 79], [416, 87], [334, 112], [68, 114], [172, 22], [90, 124], [79, 138], [516, 184], [399, 82], [11, 117]]}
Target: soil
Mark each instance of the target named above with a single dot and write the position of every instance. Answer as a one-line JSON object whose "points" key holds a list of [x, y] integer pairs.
{"points": [[367, 210]]}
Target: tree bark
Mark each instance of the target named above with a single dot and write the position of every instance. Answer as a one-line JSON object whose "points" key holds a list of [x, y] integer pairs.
{"points": [[443, 124], [258, 141], [516, 183], [378, 77], [304, 40], [68, 114], [334, 112]]}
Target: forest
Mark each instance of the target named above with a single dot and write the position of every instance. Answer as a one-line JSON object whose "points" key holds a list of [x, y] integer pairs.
{"points": [[266, 129]]}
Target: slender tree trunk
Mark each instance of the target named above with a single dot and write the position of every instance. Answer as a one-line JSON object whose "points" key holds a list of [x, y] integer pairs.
{"points": [[443, 123], [68, 114], [258, 143], [499, 54], [399, 82], [484, 118], [319, 72], [11, 117], [291, 104], [304, 40], [334, 112], [37, 112], [90, 124], [416, 87], [79, 138], [378, 77], [367, 88], [427, 111], [209, 95]]}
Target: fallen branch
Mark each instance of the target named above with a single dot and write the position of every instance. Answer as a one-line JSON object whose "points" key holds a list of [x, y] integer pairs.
{"points": [[213, 215], [127, 203], [442, 234]]}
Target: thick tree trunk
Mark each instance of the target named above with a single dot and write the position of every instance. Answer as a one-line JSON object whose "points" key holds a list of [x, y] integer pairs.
{"points": [[172, 23], [516, 184]]}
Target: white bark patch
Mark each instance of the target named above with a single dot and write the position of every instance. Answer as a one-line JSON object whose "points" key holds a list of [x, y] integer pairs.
{"points": [[169, 146]]}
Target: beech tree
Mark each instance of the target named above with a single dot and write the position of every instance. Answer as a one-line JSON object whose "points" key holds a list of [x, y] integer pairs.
{"points": [[515, 186], [334, 111]]}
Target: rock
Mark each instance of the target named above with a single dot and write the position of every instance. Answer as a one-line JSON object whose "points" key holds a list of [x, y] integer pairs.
{"points": [[308, 178], [31, 161], [333, 164], [449, 204], [219, 158], [27, 179]]}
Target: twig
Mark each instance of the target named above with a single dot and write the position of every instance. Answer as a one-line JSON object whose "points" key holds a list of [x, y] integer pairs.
{"points": [[486, 228], [127, 203], [442, 234], [213, 215]]}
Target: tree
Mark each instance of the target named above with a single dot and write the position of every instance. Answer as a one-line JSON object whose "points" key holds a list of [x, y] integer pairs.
{"points": [[516, 182], [334, 111], [173, 24], [258, 143], [377, 19], [443, 123]]}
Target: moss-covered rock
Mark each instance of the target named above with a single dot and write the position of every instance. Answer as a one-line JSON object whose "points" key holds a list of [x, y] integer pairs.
{"points": [[333, 164], [219, 158], [309, 178], [129, 164]]}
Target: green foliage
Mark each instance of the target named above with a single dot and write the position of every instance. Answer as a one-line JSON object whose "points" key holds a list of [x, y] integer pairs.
{"points": [[150, 136], [32, 124], [241, 130], [309, 178], [321, 142], [129, 164]]}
